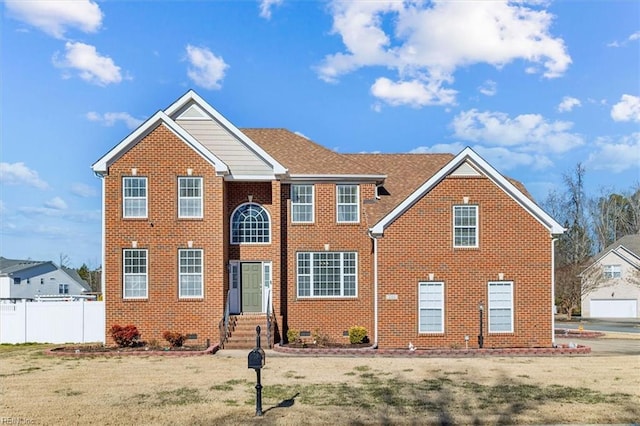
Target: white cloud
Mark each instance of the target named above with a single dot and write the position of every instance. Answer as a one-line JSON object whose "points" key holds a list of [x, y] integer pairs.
{"points": [[90, 65], [633, 37], [568, 103], [206, 69], [55, 17], [414, 92], [628, 109], [111, 118], [20, 174], [427, 42], [266, 6], [83, 190], [616, 156], [56, 203], [488, 88], [503, 158], [528, 132]]}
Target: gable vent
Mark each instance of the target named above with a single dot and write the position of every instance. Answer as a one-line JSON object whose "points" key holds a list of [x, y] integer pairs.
{"points": [[465, 169], [194, 112]]}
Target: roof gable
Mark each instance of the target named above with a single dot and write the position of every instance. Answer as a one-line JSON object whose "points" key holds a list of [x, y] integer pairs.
{"points": [[468, 161], [160, 118], [626, 248], [192, 107]]}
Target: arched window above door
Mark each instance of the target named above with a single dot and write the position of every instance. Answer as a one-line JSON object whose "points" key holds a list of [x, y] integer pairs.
{"points": [[250, 223]]}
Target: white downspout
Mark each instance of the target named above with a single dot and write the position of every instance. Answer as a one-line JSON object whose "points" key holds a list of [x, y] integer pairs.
{"points": [[375, 290], [553, 291], [104, 233]]}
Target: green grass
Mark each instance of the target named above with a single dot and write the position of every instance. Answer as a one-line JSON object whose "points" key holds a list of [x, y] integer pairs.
{"points": [[180, 396], [431, 395]]}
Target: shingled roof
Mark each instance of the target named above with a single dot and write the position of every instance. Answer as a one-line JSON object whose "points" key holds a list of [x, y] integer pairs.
{"points": [[302, 156], [405, 173]]}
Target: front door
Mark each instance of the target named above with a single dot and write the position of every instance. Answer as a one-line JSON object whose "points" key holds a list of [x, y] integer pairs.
{"points": [[251, 287]]}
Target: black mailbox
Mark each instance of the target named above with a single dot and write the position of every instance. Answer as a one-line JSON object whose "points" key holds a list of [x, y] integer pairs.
{"points": [[256, 361], [256, 358]]}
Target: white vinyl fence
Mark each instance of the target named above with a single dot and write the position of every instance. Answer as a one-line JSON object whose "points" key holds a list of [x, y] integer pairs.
{"points": [[52, 322]]}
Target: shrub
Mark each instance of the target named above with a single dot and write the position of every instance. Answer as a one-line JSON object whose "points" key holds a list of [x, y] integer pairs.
{"points": [[127, 336], [293, 335], [320, 339], [175, 339], [357, 334]]}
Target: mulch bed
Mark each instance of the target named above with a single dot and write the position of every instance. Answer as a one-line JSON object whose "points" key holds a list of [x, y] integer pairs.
{"points": [[101, 350]]}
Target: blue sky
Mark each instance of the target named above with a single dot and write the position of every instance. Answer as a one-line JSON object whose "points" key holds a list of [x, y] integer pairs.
{"points": [[534, 87]]}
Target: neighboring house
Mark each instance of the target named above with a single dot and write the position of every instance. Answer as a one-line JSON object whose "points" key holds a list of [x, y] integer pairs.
{"points": [[611, 284], [200, 215], [29, 280]]}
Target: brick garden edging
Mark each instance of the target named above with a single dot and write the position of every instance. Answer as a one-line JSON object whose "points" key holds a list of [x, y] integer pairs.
{"points": [[59, 351], [435, 353]]}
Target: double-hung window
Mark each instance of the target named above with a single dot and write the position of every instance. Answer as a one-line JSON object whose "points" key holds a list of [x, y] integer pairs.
{"points": [[63, 288], [347, 203], [431, 307], [327, 274], [501, 307], [190, 197], [134, 196], [135, 273], [302, 203], [611, 271], [465, 226], [190, 273]]}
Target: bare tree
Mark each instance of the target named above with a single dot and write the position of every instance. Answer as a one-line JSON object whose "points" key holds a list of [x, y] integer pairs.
{"points": [[614, 216], [574, 247], [65, 260]]}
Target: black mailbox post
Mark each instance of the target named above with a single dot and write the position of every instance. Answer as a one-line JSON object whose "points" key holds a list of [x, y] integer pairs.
{"points": [[256, 361]]}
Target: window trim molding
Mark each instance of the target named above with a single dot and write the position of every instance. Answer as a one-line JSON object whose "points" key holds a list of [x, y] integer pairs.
{"points": [[125, 198], [231, 236], [201, 197], [342, 275], [477, 226], [511, 308], [124, 275], [442, 307], [180, 274], [313, 203], [610, 270], [338, 204]]}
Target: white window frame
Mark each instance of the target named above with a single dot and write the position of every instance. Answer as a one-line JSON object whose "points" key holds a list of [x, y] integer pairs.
{"points": [[497, 302], [342, 204], [430, 301], [297, 205], [126, 213], [612, 271], [235, 237], [466, 226], [136, 274], [308, 270], [63, 288], [188, 270], [197, 201]]}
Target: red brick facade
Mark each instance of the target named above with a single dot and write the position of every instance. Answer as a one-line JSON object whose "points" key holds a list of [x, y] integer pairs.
{"points": [[417, 246]]}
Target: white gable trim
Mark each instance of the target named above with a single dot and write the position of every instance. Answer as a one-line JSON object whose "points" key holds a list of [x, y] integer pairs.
{"points": [[468, 155], [620, 251], [278, 169], [147, 127]]}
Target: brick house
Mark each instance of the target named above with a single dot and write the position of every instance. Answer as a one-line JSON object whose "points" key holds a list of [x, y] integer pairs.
{"points": [[202, 219]]}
